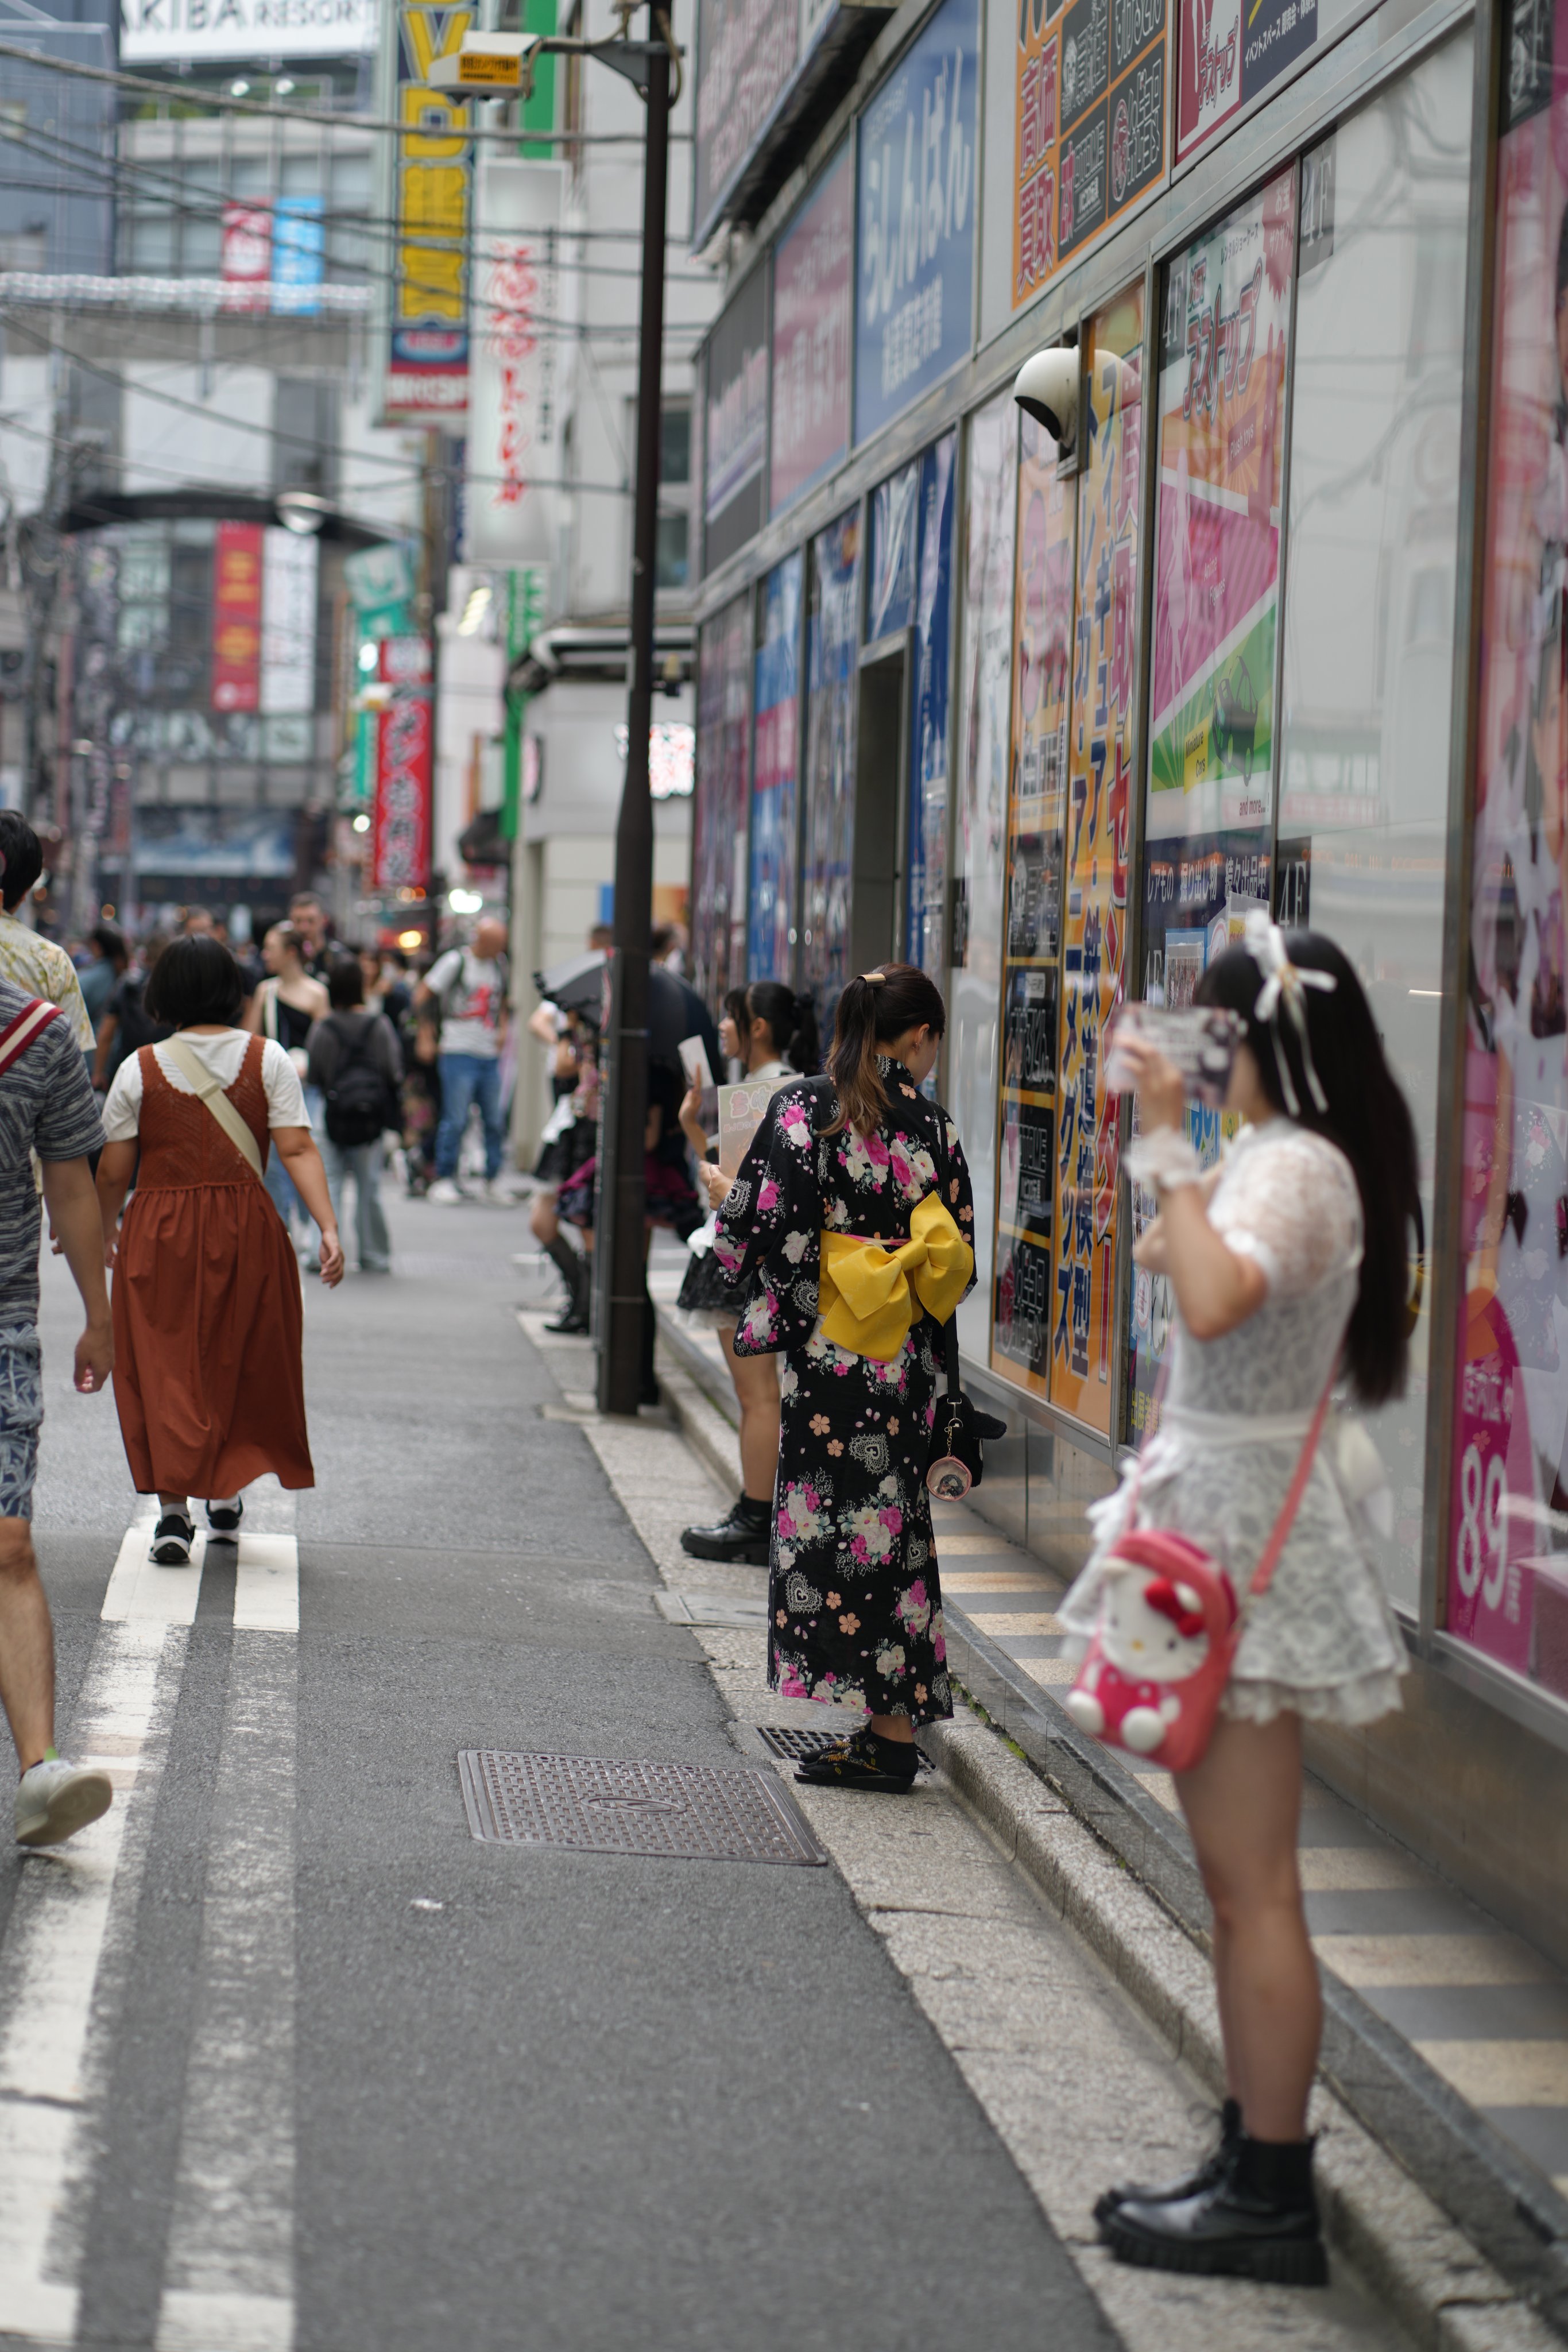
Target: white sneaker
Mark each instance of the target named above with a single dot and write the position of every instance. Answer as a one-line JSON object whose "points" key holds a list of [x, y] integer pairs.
{"points": [[55, 1798], [499, 1194], [445, 1192]]}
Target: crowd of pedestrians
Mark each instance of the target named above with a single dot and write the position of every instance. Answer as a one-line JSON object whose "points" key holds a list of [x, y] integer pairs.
{"points": [[835, 1251]]}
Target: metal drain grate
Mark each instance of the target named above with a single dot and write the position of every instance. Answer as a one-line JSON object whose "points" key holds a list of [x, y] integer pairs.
{"points": [[683, 1812], [785, 1740]]}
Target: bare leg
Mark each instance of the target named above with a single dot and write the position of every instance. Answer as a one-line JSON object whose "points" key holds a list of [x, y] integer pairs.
{"points": [[1243, 1806], [26, 1646], [755, 1379], [543, 1222], [181, 1502]]}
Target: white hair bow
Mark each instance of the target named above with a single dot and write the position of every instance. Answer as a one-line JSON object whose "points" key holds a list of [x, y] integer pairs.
{"points": [[1284, 983]]}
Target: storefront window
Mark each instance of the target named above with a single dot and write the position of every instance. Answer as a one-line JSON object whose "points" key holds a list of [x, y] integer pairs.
{"points": [[1507, 1590], [1100, 763], [1042, 672], [1378, 377], [924, 926], [890, 577], [770, 953], [1209, 807], [979, 846], [831, 634], [718, 816]]}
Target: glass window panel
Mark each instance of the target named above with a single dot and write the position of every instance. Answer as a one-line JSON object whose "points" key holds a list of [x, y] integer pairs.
{"points": [[299, 175], [926, 927], [675, 445], [890, 578], [1209, 806], [1507, 1572], [1037, 808], [351, 180], [250, 176], [670, 551], [771, 937], [830, 789], [1100, 762], [979, 842], [719, 815], [1369, 602], [152, 245]]}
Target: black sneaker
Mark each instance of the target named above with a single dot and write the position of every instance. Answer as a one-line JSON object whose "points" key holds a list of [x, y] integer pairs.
{"points": [[742, 1536], [1191, 2184], [224, 1518], [865, 1761], [1259, 2221], [172, 1540]]}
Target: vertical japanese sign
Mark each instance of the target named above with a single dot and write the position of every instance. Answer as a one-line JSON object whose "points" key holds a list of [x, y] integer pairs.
{"points": [[775, 766], [833, 635], [813, 296], [1507, 1582], [1031, 971], [746, 52], [1100, 760], [236, 617], [916, 164], [1089, 128], [718, 812], [245, 257], [299, 255], [513, 439], [925, 932], [426, 378], [288, 622], [400, 857], [734, 444]]}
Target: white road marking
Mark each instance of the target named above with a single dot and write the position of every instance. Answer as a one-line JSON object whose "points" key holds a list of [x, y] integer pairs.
{"points": [[266, 1585], [60, 1986], [140, 1590], [229, 2275]]}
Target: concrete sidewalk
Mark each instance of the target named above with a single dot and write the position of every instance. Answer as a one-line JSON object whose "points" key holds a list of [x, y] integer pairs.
{"points": [[1446, 2043]]}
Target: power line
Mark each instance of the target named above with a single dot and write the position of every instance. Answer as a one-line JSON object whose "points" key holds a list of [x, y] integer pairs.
{"points": [[225, 103]]}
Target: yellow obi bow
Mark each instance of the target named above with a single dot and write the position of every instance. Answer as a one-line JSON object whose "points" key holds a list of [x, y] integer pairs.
{"points": [[869, 1289]]}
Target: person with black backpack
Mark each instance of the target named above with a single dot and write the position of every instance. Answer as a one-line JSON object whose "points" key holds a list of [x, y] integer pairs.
{"points": [[357, 1062]]}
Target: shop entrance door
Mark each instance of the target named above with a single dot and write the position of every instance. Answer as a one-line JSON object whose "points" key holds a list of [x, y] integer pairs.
{"points": [[876, 899]]}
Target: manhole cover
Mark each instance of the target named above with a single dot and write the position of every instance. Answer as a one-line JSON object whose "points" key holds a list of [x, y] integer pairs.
{"points": [[685, 1811], [688, 1608], [785, 1740]]}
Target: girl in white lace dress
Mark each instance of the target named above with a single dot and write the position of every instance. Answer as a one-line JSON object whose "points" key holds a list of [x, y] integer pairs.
{"points": [[1289, 1267]]}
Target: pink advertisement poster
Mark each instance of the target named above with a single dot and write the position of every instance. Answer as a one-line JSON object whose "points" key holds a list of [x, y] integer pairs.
{"points": [[813, 286], [1508, 1561]]}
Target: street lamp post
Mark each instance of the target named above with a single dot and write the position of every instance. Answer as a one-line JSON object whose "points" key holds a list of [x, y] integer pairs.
{"points": [[622, 1205]]}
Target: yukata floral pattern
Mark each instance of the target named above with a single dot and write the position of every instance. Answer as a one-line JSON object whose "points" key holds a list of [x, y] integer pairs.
{"points": [[854, 1599]]}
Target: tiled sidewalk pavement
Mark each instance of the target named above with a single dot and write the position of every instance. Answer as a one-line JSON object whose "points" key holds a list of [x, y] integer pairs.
{"points": [[1484, 2009]]}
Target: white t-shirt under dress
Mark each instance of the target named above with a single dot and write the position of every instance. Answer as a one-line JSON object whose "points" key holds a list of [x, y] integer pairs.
{"points": [[221, 1050], [1323, 1641]]}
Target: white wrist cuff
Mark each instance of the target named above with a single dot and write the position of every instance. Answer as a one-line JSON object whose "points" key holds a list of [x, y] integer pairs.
{"points": [[1164, 1160]]}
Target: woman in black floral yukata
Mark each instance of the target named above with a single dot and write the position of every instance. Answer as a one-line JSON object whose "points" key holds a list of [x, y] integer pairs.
{"points": [[850, 1222]]}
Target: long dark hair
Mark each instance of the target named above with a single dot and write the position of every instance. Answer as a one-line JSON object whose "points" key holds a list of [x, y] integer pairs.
{"points": [[874, 1011], [791, 1023], [1367, 1117]]}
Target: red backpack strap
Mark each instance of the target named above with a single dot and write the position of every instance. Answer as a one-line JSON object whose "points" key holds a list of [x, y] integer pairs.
{"points": [[30, 1023], [1263, 1574]]}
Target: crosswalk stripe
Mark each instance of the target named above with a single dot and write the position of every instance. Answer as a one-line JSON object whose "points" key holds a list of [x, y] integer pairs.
{"points": [[70, 1908], [266, 1585], [140, 1591]]}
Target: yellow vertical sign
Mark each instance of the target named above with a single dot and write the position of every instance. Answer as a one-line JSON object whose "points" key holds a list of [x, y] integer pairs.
{"points": [[432, 195]]}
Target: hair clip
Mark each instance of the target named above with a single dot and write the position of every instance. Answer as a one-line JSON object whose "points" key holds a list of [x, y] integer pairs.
{"points": [[1285, 982], [873, 979]]}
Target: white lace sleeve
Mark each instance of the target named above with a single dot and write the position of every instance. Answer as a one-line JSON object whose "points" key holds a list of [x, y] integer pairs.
{"points": [[1290, 1204]]}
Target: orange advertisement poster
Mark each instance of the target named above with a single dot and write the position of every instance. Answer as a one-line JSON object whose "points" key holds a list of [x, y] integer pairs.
{"points": [[1090, 100]]}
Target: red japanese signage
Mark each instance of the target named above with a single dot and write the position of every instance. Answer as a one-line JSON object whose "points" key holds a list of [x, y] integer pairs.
{"points": [[404, 745], [236, 617], [246, 257]]}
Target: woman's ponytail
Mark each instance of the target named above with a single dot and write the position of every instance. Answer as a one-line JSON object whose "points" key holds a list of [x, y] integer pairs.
{"points": [[875, 1011], [804, 1051]]}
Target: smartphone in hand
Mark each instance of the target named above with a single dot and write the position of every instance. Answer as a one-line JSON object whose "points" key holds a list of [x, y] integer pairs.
{"points": [[1200, 1041]]}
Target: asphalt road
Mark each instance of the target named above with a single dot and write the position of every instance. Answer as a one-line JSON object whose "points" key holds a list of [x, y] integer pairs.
{"points": [[289, 2058]]}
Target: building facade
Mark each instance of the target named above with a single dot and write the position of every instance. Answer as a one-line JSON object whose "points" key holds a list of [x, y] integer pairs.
{"points": [[1280, 623]]}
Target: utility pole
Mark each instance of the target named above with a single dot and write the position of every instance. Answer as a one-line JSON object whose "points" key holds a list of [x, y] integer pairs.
{"points": [[622, 1206]]}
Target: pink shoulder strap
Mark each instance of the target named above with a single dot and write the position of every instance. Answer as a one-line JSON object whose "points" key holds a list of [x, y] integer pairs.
{"points": [[18, 1035]]}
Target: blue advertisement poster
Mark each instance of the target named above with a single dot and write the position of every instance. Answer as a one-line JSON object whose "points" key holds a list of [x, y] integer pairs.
{"points": [[770, 937], [916, 183], [928, 737], [831, 638], [299, 247]]}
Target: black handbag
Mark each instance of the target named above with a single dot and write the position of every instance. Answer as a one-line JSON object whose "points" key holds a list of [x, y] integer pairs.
{"points": [[957, 1461]]}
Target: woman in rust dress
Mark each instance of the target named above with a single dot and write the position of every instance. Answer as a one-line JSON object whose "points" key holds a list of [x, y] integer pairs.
{"points": [[208, 1377]]}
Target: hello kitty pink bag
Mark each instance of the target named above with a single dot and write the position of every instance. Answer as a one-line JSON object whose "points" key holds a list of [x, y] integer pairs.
{"points": [[1169, 1626]]}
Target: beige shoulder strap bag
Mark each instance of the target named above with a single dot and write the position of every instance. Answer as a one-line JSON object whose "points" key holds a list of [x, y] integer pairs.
{"points": [[203, 1084]]}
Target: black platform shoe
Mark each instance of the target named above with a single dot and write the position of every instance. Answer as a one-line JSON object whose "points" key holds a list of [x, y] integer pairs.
{"points": [[1191, 2184], [865, 1761], [573, 1269], [741, 1536], [1259, 2220]]}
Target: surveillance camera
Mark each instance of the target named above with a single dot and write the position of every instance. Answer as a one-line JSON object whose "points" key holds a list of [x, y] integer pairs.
{"points": [[1046, 388]]}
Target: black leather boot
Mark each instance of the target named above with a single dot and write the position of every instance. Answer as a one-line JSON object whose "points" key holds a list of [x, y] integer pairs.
{"points": [[572, 1268], [742, 1535], [1191, 2183], [1259, 2221]]}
